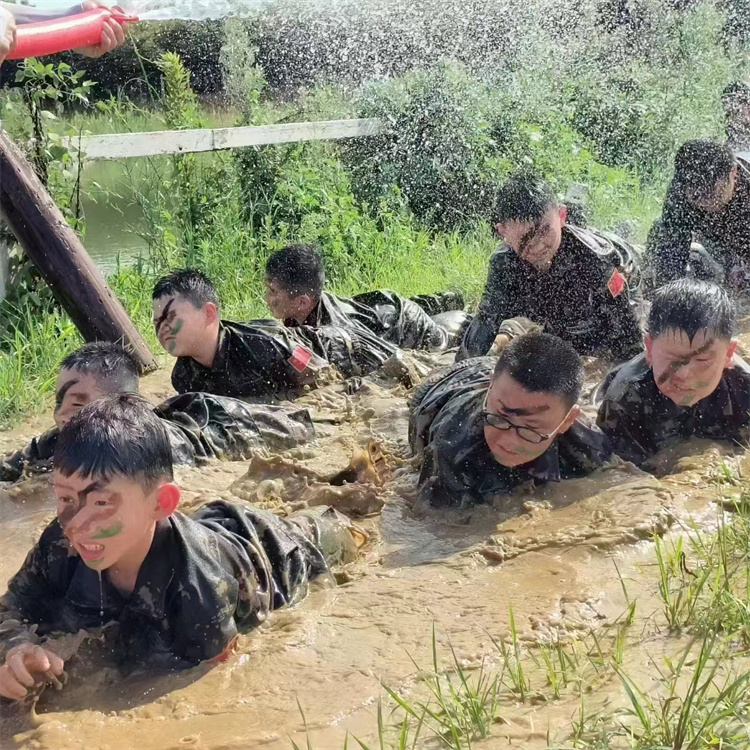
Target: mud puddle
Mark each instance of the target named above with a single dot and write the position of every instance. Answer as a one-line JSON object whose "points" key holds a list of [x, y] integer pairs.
{"points": [[548, 555]]}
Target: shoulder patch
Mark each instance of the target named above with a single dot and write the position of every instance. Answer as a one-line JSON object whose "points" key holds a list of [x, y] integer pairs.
{"points": [[616, 283], [300, 359]]}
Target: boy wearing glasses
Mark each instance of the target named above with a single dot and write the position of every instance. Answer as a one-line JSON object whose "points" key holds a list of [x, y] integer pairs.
{"points": [[488, 426], [688, 382], [574, 282]]}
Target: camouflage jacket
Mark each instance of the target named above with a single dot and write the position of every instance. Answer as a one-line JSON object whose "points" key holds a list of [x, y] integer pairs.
{"points": [[726, 232], [589, 296], [200, 426], [458, 468], [386, 314], [265, 359], [640, 420], [205, 578]]}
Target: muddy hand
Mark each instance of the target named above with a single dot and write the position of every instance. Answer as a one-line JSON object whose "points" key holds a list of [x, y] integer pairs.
{"points": [[21, 664], [500, 342]]}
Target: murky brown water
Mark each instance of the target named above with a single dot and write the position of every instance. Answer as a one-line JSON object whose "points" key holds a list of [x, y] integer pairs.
{"points": [[548, 555]]}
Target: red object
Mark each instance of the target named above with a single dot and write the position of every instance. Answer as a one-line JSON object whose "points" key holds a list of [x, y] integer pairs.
{"points": [[60, 34], [616, 283], [300, 359]]}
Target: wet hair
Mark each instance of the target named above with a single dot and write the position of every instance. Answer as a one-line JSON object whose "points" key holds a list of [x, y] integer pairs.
{"points": [[700, 165], [189, 283], [525, 197], [738, 91], [116, 435], [114, 367], [543, 363], [690, 306], [297, 269]]}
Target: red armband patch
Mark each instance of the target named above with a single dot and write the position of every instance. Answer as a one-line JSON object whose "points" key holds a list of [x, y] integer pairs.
{"points": [[616, 283], [300, 359]]}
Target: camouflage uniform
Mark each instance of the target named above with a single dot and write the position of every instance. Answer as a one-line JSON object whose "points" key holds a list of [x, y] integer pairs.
{"points": [[458, 468], [206, 577], [403, 322], [588, 297], [640, 420], [725, 234], [200, 426], [266, 359]]}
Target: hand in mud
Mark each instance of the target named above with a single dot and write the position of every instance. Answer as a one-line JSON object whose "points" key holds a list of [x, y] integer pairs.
{"points": [[7, 33], [500, 342], [25, 666], [113, 33]]}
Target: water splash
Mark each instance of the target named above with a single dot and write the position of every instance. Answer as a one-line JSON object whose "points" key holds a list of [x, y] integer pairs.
{"points": [[191, 10]]}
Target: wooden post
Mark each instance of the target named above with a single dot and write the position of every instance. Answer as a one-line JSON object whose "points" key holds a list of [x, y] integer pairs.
{"points": [[60, 257]]}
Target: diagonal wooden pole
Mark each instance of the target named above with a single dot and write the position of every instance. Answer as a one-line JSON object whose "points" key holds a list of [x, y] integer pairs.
{"points": [[61, 258]]}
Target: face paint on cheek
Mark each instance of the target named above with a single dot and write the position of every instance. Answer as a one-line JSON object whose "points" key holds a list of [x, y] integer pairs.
{"points": [[175, 330], [66, 515], [108, 532]]}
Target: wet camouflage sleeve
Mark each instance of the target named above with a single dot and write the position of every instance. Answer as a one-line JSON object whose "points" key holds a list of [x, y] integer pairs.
{"points": [[623, 423], [36, 456], [35, 592], [494, 307], [667, 249]]}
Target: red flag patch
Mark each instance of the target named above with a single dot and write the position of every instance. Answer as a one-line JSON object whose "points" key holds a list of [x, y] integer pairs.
{"points": [[616, 283], [300, 359]]}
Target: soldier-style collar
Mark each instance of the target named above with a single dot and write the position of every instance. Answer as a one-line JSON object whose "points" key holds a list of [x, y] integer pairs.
{"points": [[149, 593]]}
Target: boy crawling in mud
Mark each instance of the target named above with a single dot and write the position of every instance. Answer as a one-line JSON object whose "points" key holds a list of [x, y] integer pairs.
{"points": [[575, 283], [295, 294], [489, 425], [261, 359], [199, 426], [179, 588], [689, 380]]}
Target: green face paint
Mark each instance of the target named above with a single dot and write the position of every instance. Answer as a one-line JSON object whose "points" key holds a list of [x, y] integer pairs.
{"points": [[174, 330], [109, 532]]}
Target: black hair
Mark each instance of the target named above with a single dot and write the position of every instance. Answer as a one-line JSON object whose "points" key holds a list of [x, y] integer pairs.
{"points": [[700, 165], [524, 197], [543, 363], [116, 435], [736, 91], [297, 269], [189, 283], [114, 367], [689, 305]]}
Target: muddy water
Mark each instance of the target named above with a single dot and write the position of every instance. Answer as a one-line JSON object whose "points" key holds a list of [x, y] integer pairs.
{"points": [[548, 555]]}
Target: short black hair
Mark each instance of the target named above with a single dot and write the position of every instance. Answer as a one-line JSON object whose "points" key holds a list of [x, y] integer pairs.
{"points": [[115, 368], [690, 305], [297, 269], [543, 363], [116, 435], [524, 197], [736, 91], [189, 283], [700, 165]]}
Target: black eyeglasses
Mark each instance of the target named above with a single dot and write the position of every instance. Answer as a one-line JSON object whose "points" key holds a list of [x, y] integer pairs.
{"points": [[499, 422]]}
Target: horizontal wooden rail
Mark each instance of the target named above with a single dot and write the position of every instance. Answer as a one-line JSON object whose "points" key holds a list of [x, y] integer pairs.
{"points": [[163, 142]]}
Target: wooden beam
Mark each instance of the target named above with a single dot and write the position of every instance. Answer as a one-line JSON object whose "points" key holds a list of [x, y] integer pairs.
{"points": [[163, 142], [60, 257]]}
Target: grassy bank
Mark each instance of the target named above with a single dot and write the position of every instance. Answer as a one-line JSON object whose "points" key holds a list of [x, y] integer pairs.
{"points": [[407, 210]]}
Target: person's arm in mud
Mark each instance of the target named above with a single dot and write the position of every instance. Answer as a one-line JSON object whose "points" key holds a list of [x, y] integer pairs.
{"points": [[622, 428], [494, 308], [30, 601], [35, 456]]}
